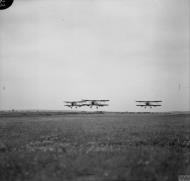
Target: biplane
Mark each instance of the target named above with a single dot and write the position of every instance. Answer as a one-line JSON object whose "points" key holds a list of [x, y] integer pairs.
{"points": [[95, 103], [148, 104], [75, 104]]}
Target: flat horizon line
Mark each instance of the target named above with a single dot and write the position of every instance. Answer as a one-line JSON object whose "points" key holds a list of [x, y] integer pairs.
{"points": [[51, 110]]}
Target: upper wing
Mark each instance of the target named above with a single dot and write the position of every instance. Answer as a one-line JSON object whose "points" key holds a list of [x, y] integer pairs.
{"points": [[155, 101], [68, 101], [73, 101], [103, 100], [148, 101], [85, 100], [94, 100], [81, 101]]}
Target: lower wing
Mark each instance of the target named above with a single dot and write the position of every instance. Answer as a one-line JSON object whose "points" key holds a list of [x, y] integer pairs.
{"points": [[86, 105], [81, 105], [68, 105], [101, 105], [149, 105]]}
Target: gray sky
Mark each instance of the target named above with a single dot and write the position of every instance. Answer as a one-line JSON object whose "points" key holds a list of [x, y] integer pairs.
{"points": [[122, 50]]}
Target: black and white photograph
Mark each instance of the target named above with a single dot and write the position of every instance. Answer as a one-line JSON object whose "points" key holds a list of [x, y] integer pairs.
{"points": [[94, 90]]}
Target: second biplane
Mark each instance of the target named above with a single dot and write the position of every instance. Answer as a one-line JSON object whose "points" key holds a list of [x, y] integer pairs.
{"points": [[150, 104]]}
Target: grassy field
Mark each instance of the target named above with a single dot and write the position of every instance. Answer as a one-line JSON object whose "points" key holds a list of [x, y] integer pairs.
{"points": [[94, 147]]}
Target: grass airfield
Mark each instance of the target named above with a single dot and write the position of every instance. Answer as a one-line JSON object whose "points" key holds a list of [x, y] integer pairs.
{"points": [[55, 146]]}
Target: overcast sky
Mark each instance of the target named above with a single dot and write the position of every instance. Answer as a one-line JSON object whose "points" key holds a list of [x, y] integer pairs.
{"points": [[122, 50]]}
